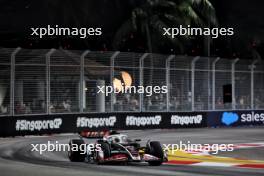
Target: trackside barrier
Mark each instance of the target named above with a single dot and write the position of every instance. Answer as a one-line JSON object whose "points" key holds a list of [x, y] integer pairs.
{"points": [[66, 123], [71, 123]]}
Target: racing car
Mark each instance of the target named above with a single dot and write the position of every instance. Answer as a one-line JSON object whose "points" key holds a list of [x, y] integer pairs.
{"points": [[116, 147]]}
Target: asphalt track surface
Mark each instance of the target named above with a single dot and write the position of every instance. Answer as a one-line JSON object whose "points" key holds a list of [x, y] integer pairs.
{"points": [[16, 157]]}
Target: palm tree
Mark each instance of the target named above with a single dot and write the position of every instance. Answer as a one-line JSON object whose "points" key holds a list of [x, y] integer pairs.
{"points": [[151, 16]]}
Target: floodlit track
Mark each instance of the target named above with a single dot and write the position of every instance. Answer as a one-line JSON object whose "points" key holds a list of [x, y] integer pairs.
{"points": [[16, 157]]}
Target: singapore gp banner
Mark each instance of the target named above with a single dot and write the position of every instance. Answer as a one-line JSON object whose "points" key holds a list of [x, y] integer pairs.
{"points": [[164, 120], [66, 123], [235, 118]]}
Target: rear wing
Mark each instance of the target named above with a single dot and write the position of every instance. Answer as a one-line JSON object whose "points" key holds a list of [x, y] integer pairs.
{"points": [[94, 134]]}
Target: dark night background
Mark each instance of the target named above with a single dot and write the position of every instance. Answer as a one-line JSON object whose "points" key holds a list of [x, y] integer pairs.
{"points": [[17, 16]]}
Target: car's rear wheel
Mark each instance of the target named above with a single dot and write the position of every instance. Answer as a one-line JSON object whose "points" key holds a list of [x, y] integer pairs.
{"points": [[75, 153], [154, 148]]}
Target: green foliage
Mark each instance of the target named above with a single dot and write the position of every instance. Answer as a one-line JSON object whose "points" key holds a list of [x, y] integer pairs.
{"points": [[155, 15]]}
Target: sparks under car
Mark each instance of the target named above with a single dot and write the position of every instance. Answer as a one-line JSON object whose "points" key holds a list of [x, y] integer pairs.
{"points": [[115, 147]]}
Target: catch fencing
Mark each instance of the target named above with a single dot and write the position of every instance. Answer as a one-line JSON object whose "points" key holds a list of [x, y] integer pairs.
{"points": [[49, 81]]}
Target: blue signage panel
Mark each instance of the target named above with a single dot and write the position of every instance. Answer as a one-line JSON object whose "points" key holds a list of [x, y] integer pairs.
{"points": [[235, 118]]}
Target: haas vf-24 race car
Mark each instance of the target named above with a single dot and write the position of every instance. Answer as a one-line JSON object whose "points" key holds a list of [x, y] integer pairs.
{"points": [[115, 147]]}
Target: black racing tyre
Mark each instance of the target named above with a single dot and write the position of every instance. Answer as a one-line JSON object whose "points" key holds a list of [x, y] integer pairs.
{"points": [[76, 155], [154, 148], [106, 150]]}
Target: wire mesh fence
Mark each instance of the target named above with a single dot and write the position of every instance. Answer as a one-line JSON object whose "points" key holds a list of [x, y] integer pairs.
{"points": [[63, 81]]}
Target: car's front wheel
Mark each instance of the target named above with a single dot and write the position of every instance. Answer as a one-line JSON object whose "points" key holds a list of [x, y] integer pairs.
{"points": [[75, 153], [103, 153], [154, 148]]}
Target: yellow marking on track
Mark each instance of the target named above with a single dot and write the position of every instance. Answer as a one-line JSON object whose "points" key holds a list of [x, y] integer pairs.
{"points": [[185, 156]]}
